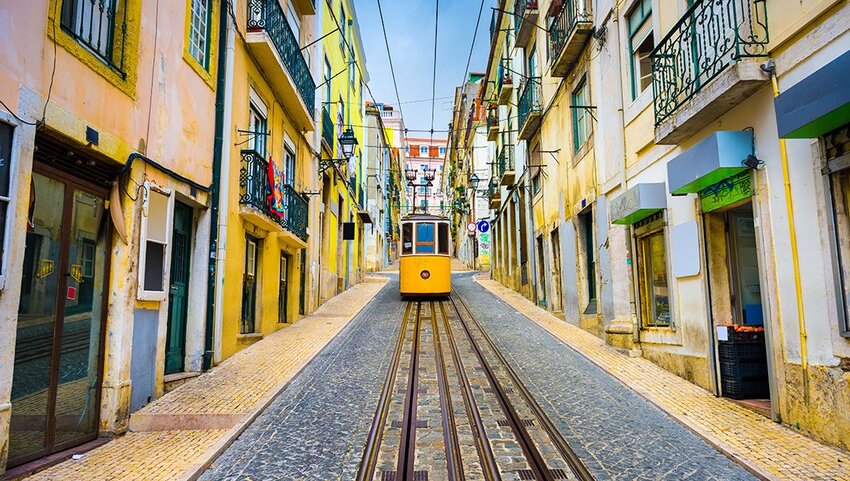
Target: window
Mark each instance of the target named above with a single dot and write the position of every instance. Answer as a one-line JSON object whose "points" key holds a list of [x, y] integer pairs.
{"points": [[423, 150], [249, 287], [407, 238], [443, 236], [328, 75], [652, 272], [425, 242], [93, 25], [535, 182], [352, 78], [838, 176], [442, 152], [257, 124], [288, 166], [343, 24], [6, 137], [581, 117], [294, 21], [407, 149], [154, 251], [199, 31], [641, 43]]}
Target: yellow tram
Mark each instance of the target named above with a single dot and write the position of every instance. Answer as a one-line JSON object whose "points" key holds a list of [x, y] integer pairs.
{"points": [[425, 266]]}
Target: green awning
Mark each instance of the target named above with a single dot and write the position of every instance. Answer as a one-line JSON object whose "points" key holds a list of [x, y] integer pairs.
{"points": [[717, 157], [639, 202], [818, 104]]}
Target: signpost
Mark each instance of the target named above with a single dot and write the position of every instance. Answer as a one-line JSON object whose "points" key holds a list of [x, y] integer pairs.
{"points": [[483, 226]]}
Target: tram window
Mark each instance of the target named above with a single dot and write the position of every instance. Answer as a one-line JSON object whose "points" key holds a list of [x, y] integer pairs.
{"points": [[407, 239], [425, 238], [443, 238]]}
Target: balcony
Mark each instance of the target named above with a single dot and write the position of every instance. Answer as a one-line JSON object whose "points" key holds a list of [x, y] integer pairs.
{"points": [[278, 54], [700, 69], [505, 166], [286, 209], [305, 7], [492, 125], [530, 108], [525, 16], [506, 82], [494, 192], [571, 24], [327, 129]]}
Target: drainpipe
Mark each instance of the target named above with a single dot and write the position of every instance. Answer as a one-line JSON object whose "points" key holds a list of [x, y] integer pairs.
{"points": [[220, 191], [770, 67]]}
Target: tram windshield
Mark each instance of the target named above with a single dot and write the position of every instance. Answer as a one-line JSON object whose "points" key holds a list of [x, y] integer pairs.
{"points": [[425, 242]]}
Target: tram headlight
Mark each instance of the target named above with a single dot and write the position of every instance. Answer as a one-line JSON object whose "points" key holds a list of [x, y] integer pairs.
{"points": [[425, 274]]}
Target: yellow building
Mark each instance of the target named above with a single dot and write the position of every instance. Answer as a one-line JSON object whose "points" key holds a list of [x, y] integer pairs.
{"points": [[341, 92], [106, 146], [268, 168], [679, 178]]}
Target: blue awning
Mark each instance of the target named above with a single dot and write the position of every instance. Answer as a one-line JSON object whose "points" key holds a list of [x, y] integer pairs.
{"points": [[818, 104], [717, 157]]}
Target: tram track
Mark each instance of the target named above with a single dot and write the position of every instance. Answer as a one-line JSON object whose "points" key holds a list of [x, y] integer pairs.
{"points": [[513, 437]]}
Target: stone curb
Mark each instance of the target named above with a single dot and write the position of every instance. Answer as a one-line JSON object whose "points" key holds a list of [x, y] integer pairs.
{"points": [[194, 471], [720, 446]]}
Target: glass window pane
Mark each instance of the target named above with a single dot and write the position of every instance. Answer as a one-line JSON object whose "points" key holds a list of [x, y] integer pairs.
{"points": [[407, 239], [655, 278], [443, 235], [6, 131], [36, 319], [425, 238]]}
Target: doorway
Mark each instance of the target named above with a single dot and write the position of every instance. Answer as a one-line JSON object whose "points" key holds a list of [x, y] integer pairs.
{"points": [[61, 317], [541, 272], [557, 292], [175, 340], [283, 289], [737, 307]]}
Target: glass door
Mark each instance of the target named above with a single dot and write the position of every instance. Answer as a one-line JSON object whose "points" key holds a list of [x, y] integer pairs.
{"points": [[56, 383]]}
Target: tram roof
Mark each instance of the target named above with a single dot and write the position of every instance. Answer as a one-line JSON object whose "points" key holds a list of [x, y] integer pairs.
{"points": [[415, 217]]}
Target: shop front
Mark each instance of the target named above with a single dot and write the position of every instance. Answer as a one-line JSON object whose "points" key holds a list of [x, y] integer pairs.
{"points": [[716, 171], [62, 313]]}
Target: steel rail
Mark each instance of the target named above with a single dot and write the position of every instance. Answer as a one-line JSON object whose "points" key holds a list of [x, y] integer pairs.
{"points": [[453, 456], [567, 453], [485, 451], [532, 454], [407, 445], [370, 452]]}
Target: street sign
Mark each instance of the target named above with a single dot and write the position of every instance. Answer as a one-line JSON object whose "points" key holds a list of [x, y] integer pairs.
{"points": [[483, 226], [470, 227]]}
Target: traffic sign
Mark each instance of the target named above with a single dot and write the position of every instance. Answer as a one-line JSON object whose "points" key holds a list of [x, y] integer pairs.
{"points": [[470, 227], [483, 226]]}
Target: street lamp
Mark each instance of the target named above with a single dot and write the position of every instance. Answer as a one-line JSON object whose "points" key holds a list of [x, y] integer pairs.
{"points": [[410, 175], [348, 141], [473, 181]]}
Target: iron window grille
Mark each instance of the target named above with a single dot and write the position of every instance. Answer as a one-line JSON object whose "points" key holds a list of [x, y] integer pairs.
{"points": [[100, 26]]}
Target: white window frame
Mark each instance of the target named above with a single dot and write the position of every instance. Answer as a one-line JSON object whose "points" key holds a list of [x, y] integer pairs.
{"points": [[142, 293], [12, 199], [202, 38]]}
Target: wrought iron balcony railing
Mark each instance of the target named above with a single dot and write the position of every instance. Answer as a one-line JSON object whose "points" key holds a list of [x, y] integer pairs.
{"points": [[519, 12], [100, 26], [327, 128], [709, 37], [529, 100], [505, 162], [564, 23], [290, 209], [505, 77], [268, 15]]}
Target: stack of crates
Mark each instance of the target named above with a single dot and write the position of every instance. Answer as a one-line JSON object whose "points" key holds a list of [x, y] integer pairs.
{"points": [[743, 366]]}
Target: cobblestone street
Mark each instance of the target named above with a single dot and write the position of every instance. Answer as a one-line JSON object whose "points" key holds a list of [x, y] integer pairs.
{"points": [[318, 426]]}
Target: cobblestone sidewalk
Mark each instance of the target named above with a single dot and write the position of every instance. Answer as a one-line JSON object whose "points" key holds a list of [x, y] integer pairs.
{"points": [[768, 449], [185, 429]]}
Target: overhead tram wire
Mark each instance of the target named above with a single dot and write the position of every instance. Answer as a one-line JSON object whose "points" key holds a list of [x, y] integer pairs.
{"points": [[434, 77], [390, 57]]}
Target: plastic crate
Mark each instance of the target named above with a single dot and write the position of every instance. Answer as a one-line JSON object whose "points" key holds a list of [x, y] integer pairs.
{"points": [[741, 351], [745, 389]]}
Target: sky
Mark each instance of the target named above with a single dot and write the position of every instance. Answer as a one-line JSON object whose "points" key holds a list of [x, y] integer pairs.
{"points": [[410, 30]]}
